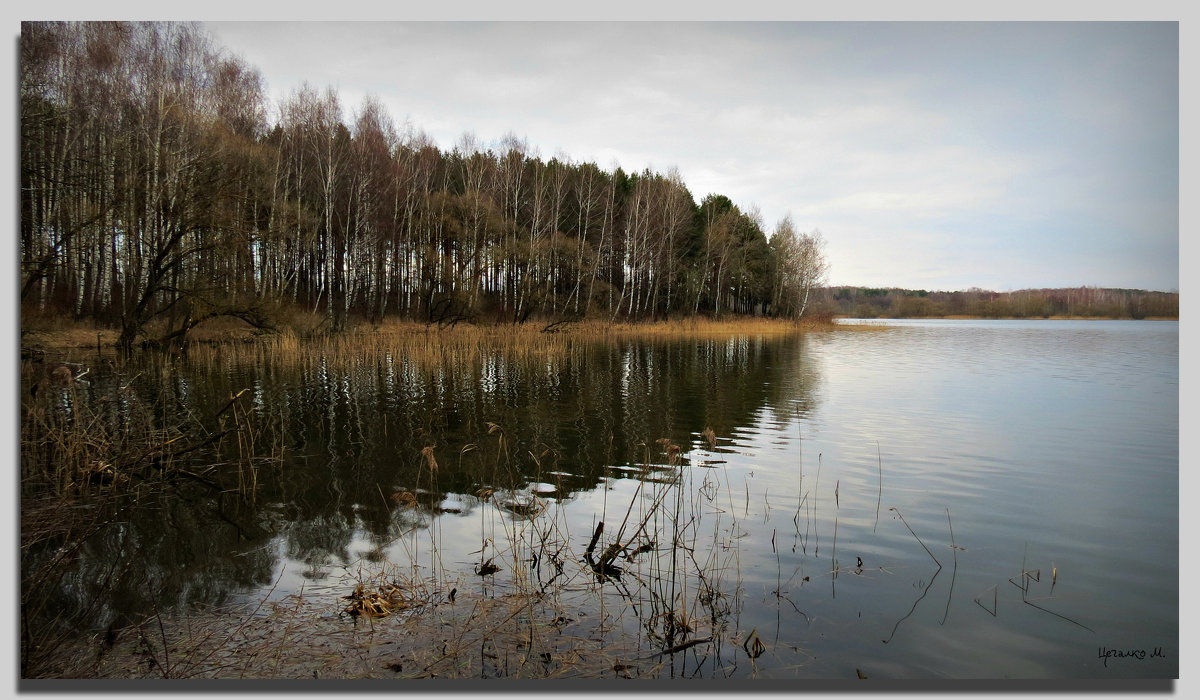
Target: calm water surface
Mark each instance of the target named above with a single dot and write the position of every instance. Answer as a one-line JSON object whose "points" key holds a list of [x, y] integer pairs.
{"points": [[933, 499]]}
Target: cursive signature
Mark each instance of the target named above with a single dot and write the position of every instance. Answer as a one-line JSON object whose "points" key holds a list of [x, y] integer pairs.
{"points": [[1139, 654]]}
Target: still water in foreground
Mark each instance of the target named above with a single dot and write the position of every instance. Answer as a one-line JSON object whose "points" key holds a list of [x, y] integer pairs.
{"points": [[935, 499]]}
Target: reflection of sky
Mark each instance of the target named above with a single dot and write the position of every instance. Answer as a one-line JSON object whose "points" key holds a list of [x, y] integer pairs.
{"points": [[1053, 446], [1031, 401], [1065, 436]]}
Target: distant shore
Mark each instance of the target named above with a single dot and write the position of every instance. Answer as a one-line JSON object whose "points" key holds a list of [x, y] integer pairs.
{"points": [[963, 317]]}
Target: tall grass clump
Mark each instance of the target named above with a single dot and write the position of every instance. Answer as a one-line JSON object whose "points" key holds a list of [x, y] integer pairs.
{"points": [[95, 445]]}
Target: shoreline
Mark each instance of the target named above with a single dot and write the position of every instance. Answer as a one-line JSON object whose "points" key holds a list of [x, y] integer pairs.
{"points": [[223, 331], [78, 335], [964, 317]]}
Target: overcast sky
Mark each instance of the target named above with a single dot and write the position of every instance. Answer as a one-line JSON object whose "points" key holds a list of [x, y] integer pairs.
{"points": [[929, 155]]}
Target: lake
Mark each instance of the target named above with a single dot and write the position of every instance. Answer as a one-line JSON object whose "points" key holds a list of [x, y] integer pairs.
{"points": [[924, 500]]}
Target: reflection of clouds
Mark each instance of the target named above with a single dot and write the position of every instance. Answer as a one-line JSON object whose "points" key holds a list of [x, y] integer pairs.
{"points": [[319, 540], [1030, 432]]}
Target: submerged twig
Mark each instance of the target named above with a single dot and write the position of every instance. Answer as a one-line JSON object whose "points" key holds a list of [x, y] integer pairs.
{"points": [[878, 501], [1064, 617], [677, 648], [595, 537], [914, 534], [954, 574], [995, 600], [915, 604]]}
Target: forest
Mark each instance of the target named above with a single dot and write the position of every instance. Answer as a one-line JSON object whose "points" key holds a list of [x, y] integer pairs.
{"points": [[161, 188], [1075, 302]]}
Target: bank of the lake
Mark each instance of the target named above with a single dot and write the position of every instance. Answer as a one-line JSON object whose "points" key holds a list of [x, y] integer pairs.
{"points": [[66, 333], [308, 328]]}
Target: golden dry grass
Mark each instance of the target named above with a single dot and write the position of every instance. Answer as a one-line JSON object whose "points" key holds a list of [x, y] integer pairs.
{"points": [[305, 329], [68, 336]]}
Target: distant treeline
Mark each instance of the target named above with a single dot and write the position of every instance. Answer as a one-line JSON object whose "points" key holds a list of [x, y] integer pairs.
{"points": [[160, 188], [866, 302]]}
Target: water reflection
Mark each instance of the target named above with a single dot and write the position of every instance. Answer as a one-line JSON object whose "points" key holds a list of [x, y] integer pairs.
{"points": [[1035, 465], [356, 434]]}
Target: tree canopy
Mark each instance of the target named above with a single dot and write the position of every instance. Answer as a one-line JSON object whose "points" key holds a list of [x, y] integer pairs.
{"points": [[159, 186]]}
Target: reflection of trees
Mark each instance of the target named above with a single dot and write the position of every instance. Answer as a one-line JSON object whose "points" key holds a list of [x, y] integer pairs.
{"points": [[352, 429], [357, 425], [168, 549], [129, 503], [315, 540]]}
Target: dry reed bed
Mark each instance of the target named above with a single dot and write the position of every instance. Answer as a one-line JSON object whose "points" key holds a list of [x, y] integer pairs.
{"points": [[409, 334], [423, 345], [58, 333]]}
